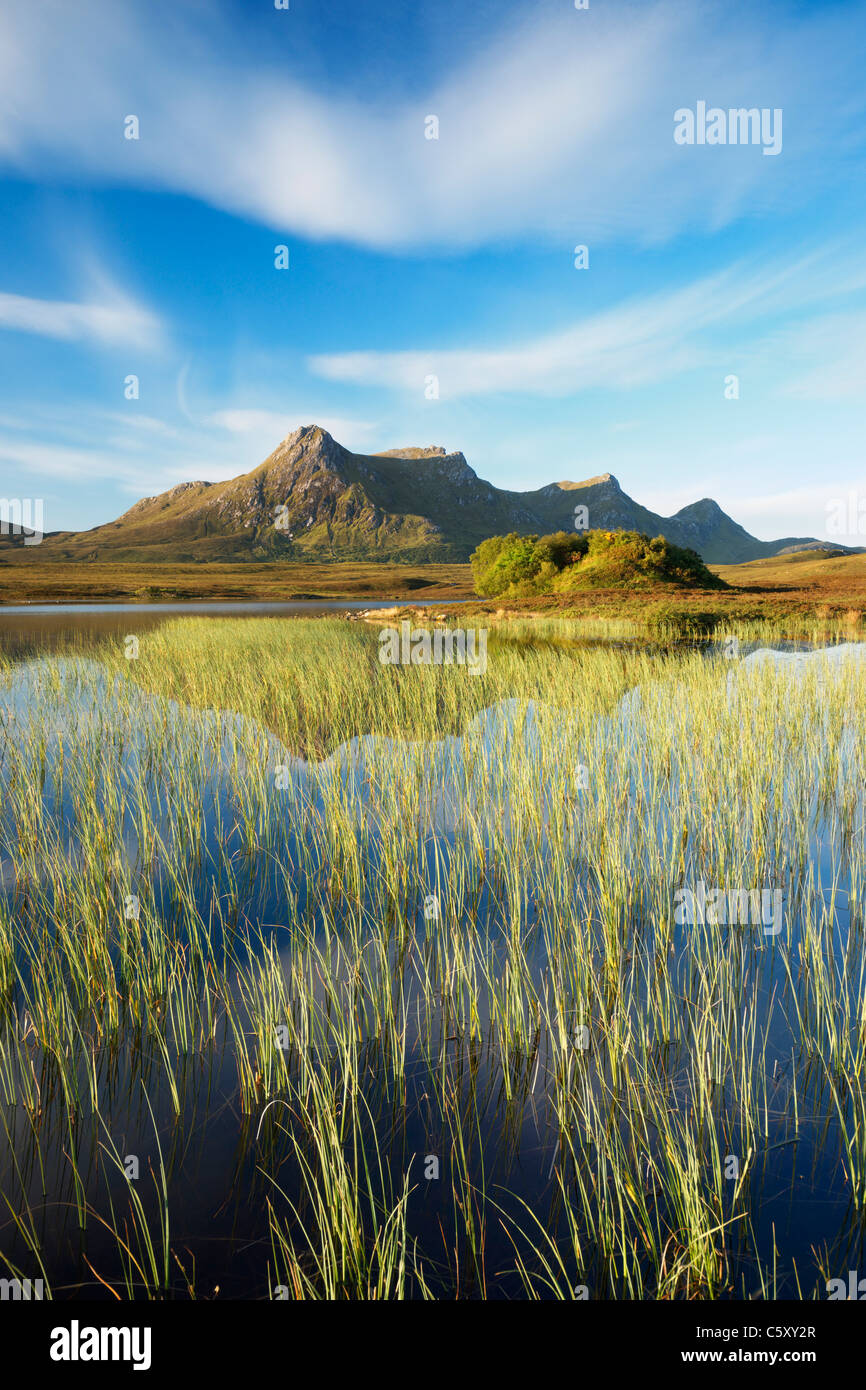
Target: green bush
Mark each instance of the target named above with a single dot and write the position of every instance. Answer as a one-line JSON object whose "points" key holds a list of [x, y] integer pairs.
{"points": [[518, 566], [515, 566], [665, 620]]}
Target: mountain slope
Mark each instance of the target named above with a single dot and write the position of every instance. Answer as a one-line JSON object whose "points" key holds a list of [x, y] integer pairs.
{"points": [[311, 499]]}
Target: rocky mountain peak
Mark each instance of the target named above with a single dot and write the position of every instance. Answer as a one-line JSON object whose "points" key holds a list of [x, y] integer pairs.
{"points": [[314, 499], [705, 507]]}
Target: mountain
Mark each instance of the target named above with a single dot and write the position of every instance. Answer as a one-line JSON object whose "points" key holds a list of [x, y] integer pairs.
{"points": [[312, 499]]}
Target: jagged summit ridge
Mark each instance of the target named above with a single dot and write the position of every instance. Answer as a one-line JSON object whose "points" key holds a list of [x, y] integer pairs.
{"points": [[313, 499]]}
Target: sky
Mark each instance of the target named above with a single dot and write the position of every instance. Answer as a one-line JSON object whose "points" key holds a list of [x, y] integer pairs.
{"points": [[431, 169]]}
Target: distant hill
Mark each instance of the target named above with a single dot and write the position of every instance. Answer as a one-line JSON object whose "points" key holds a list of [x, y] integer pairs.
{"points": [[312, 499], [813, 568]]}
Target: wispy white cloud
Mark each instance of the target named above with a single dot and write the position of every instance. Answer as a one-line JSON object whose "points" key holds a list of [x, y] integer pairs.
{"points": [[643, 341], [562, 127], [64, 461], [186, 461], [144, 454], [825, 358], [116, 321], [275, 425], [143, 426], [783, 512]]}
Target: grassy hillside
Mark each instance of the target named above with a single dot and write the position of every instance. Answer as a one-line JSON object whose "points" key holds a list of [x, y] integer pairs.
{"points": [[834, 577]]}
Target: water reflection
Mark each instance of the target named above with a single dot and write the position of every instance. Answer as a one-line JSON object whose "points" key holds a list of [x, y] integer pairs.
{"points": [[256, 857]]}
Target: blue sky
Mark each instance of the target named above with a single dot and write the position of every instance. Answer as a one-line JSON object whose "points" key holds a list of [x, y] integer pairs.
{"points": [[412, 257]]}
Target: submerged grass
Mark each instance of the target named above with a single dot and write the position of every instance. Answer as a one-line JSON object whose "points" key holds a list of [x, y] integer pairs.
{"points": [[376, 971]]}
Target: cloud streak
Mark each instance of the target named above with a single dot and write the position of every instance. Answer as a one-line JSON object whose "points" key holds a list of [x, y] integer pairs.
{"points": [[106, 324], [635, 344], [275, 425], [562, 127]]}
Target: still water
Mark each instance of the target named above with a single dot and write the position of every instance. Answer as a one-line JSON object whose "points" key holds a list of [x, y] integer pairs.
{"points": [[259, 860], [27, 629]]}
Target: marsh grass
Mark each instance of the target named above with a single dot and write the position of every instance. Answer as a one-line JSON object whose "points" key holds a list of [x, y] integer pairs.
{"points": [[581, 1066]]}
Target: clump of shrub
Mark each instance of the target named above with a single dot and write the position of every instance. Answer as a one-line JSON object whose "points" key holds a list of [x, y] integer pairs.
{"points": [[664, 620], [515, 566]]}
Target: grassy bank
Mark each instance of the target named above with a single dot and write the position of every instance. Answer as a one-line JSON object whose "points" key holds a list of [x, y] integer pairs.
{"points": [[800, 595], [26, 578], [797, 596]]}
